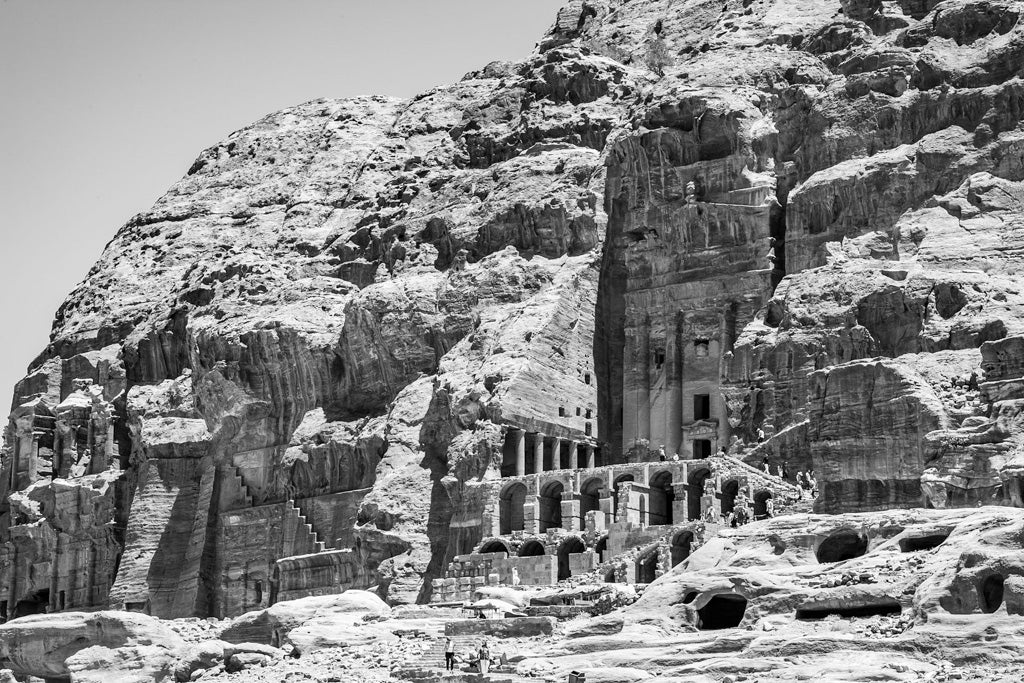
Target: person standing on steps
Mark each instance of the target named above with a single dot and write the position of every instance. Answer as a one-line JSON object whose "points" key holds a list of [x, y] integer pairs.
{"points": [[449, 654], [485, 657]]}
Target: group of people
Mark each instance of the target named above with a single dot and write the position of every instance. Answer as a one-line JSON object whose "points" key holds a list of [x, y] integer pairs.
{"points": [[483, 655], [805, 481]]}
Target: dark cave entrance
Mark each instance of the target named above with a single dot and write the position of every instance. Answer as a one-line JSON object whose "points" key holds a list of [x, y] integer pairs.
{"points": [[36, 603], [570, 545], [842, 545], [722, 611], [991, 593], [681, 547], [884, 608], [916, 543], [647, 568]]}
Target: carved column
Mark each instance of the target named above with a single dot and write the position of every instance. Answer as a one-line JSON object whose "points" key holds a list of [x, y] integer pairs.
{"points": [[643, 405], [591, 460], [519, 439], [556, 452], [674, 377], [573, 460], [538, 453]]}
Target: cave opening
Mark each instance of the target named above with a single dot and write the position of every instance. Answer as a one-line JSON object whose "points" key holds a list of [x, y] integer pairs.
{"points": [[917, 543], [36, 603], [842, 545], [722, 611], [875, 609], [991, 593]]}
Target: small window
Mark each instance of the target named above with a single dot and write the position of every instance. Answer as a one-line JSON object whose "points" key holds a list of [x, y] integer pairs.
{"points": [[578, 411], [701, 406], [259, 592], [701, 449], [586, 378], [61, 599], [589, 413], [659, 358], [561, 411], [701, 348], [586, 429]]}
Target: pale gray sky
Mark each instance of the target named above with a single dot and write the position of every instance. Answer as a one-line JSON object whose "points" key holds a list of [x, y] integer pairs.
{"points": [[105, 103]]}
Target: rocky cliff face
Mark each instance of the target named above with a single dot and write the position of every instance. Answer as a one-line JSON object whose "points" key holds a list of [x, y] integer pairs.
{"points": [[681, 223]]}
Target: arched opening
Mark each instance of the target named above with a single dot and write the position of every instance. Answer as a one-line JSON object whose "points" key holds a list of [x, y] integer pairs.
{"points": [[615, 494], [493, 546], [694, 491], [590, 499], [551, 506], [991, 593], [722, 611], [531, 548], [36, 603], [729, 491], [681, 547], [601, 547], [662, 498], [647, 567], [761, 503], [842, 545], [569, 546], [510, 505]]}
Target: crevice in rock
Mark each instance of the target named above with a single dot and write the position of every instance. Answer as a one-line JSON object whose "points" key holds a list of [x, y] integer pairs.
{"points": [[842, 545], [873, 609], [917, 543]]}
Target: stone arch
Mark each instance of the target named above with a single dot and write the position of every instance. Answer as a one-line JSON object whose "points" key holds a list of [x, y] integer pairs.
{"points": [[647, 566], [694, 491], [680, 547], [510, 508], [729, 491], [590, 498], [551, 506], [532, 548], [572, 544], [990, 593], [494, 545], [761, 502], [662, 497]]}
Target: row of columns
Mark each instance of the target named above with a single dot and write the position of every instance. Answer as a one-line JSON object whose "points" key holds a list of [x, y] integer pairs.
{"points": [[519, 441]]}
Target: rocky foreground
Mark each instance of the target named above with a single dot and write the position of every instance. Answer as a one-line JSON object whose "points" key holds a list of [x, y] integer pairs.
{"points": [[895, 596]]}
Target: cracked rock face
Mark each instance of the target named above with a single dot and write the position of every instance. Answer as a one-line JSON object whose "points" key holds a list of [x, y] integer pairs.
{"points": [[277, 380]]}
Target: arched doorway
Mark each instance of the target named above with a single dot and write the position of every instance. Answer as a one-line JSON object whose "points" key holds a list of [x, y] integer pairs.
{"points": [[510, 505], [493, 546], [647, 567], [729, 491], [615, 494], [662, 497], [694, 491], [551, 506], [590, 499], [680, 549], [531, 548], [569, 545], [761, 503]]}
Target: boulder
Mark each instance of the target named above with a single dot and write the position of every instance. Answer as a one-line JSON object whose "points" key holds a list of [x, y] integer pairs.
{"points": [[271, 626]]}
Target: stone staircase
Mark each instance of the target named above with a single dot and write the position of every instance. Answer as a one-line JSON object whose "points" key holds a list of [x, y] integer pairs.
{"points": [[306, 540]]}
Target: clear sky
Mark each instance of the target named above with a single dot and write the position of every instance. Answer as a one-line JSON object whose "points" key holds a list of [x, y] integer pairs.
{"points": [[105, 103]]}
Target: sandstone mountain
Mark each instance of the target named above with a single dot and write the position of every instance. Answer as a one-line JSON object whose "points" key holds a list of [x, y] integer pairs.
{"points": [[281, 379]]}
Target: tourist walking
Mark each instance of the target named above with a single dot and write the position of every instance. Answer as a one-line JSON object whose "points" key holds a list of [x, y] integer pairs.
{"points": [[449, 654]]}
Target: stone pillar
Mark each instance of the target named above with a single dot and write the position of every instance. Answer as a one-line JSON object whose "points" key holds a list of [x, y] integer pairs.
{"points": [[680, 502], [636, 415], [570, 511], [674, 378], [519, 439], [591, 460], [573, 458], [556, 452], [538, 453], [643, 405]]}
